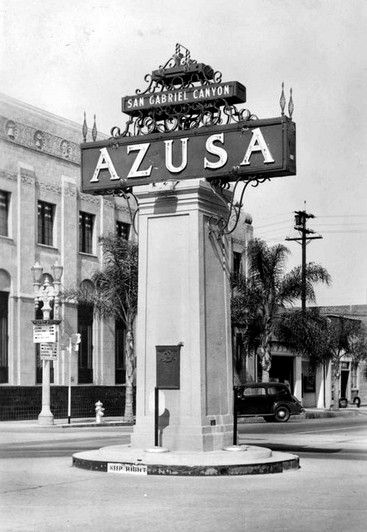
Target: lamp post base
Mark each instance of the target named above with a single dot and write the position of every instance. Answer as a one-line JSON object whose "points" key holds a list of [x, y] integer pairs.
{"points": [[46, 419]]}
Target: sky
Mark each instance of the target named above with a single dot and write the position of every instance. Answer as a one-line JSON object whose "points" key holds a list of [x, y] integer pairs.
{"points": [[84, 55]]}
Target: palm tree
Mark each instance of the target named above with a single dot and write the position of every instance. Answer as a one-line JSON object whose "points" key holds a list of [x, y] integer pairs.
{"points": [[268, 288], [115, 295]]}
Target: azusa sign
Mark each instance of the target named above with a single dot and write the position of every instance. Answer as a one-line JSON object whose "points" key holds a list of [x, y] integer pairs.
{"points": [[247, 149]]}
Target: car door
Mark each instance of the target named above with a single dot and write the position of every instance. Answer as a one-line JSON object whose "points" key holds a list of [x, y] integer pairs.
{"points": [[254, 400]]}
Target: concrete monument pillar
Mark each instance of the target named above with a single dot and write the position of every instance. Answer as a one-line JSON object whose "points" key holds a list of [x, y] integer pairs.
{"points": [[184, 297]]}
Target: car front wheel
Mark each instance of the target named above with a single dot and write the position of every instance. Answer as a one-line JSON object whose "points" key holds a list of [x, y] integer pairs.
{"points": [[282, 414]]}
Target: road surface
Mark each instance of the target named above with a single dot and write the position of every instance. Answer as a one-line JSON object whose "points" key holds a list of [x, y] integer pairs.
{"points": [[41, 492]]}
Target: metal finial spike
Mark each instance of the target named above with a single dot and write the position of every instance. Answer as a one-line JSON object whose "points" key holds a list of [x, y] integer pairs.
{"points": [[282, 100], [178, 46], [290, 105], [85, 129], [94, 130]]}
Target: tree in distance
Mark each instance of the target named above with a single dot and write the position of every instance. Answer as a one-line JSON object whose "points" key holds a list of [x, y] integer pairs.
{"points": [[324, 338], [258, 297], [115, 295]]}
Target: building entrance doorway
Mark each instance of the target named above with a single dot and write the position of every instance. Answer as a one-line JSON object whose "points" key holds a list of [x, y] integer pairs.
{"points": [[282, 370], [344, 377]]}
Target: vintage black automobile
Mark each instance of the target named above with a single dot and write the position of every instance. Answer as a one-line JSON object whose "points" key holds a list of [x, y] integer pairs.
{"points": [[271, 400]]}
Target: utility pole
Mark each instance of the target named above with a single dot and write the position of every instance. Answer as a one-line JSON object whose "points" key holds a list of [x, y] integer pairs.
{"points": [[306, 235]]}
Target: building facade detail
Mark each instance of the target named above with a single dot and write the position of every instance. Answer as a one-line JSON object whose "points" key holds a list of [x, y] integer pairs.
{"points": [[40, 195], [33, 138]]}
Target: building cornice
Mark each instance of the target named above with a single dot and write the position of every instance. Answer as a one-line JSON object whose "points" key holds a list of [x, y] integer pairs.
{"points": [[16, 132]]}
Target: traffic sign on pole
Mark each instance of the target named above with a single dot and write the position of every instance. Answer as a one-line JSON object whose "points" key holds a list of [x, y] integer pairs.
{"points": [[48, 350]]}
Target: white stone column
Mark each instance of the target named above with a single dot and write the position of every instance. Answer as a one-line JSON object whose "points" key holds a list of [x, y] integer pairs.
{"points": [[328, 383], [184, 297], [297, 377], [46, 417], [320, 386]]}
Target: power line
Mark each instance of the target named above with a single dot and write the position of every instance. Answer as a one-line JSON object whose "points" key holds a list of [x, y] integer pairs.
{"points": [[282, 222], [355, 231], [343, 216]]}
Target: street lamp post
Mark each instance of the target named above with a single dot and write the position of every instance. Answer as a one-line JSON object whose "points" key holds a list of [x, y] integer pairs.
{"points": [[47, 293]]}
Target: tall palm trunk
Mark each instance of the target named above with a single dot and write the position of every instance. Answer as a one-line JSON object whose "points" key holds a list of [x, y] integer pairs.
{"points": [[265, 361], [129, 390], [264, 351]]}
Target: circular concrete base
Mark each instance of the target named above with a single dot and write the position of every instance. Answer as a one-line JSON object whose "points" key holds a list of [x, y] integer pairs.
{"points": [[124, 459]]}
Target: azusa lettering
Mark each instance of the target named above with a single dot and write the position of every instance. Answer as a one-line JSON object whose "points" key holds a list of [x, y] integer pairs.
{"points": [[214, 147]]}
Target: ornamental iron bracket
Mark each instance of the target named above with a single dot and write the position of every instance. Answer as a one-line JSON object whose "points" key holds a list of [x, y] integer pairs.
{"points": [[180, 72], [226, 226]]}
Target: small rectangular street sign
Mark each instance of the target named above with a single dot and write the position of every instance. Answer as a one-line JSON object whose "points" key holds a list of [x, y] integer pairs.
{"points": [[247, 149], [44, 333], [127, 469], [231, 91], [48, 351]]}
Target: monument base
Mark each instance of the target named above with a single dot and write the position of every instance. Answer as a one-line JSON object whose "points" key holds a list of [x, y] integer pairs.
{"points": [[185, 437], [244, 460]]}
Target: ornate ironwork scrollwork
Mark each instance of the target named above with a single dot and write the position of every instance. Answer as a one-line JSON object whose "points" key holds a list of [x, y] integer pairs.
{"points": [[180, 72], [226, 226]]}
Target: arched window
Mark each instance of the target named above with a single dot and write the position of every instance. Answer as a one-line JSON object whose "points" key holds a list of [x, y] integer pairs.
{"points": [[85, 328], [4, 334]]}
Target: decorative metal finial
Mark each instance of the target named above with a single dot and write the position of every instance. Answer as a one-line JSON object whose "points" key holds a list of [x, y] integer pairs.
{"points": [[282, 100], [290, 105], [94, 130], [85, 129]]}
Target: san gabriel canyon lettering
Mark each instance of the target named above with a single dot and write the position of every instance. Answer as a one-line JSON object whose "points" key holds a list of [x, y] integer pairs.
{"points": [[175, 97]]}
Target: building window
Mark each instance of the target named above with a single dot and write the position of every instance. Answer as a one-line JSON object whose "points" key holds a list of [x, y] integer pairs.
{"points": [[4, 212], [237, 263], [123, 230], [120, 366], [4, 297], [86, 223], [354, 377], [85, 355], [46, 213]]}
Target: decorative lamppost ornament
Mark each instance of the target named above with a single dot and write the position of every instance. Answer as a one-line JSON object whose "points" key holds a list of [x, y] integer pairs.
{"points": [[45, 330]]}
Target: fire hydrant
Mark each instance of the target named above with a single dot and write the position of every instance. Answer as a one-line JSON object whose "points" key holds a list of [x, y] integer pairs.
{"points": [[99, 412]]}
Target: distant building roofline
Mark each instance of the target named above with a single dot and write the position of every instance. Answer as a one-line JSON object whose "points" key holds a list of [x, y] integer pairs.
{"points": [[45, 114]]}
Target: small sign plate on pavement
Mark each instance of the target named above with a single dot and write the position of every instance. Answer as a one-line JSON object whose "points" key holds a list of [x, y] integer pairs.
{"points": [[127, 469]]}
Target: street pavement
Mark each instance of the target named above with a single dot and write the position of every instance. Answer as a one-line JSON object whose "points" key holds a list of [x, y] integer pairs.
{"points": [[41, 491]]}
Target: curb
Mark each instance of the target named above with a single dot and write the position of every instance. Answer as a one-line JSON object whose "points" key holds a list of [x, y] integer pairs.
{"points": [[333, 413], [264, 468], [98, 425]]}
